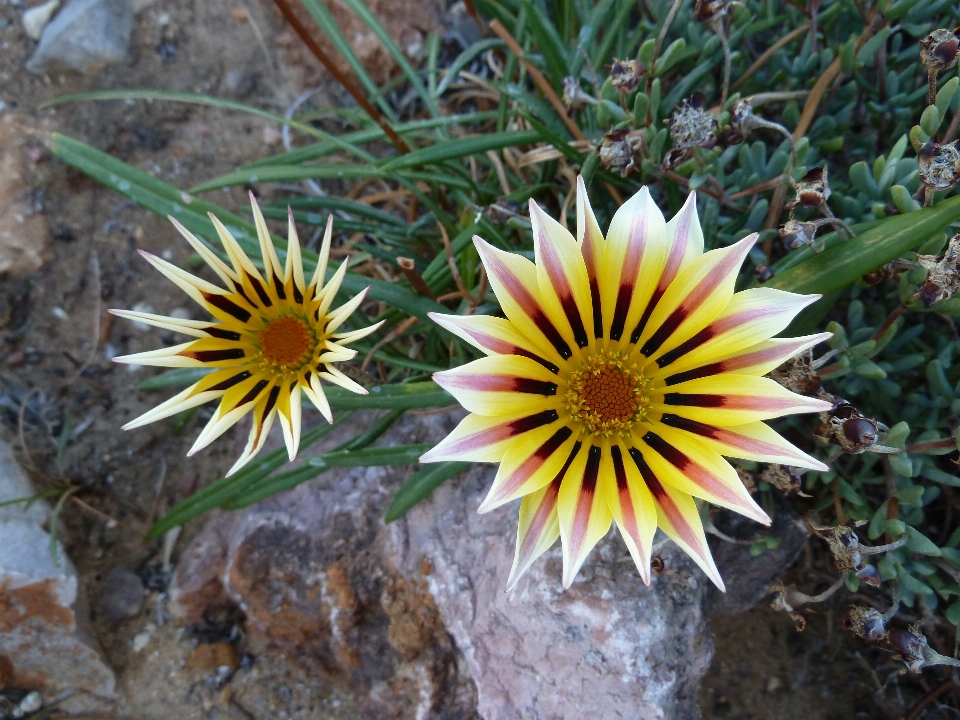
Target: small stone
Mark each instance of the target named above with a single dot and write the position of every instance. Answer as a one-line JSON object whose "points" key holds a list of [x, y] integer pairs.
{"points": [[31, 702], [85, 36], [24, 235], [239, 83], [121, 595], [36, 18], [18, 358], [142, 638], [773, 684], [208, 658]]}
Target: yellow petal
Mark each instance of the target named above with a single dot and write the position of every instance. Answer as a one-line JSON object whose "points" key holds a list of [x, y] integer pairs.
{"points": [[732, 399], [485, 439], [293, 270], [537, 529], [187, 327], [501, 385], [583, 512], [632, 506], [271, 263], [219, 267], [591, 242], [494, 335]]}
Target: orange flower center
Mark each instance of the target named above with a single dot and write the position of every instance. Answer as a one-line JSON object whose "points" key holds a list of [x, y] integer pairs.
{"points": [[285, 341], [607, 394]]}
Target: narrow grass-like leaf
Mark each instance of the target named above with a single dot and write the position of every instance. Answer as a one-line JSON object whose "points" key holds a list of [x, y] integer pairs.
{"points": [[223, 490], [333, 171], [847, 261], [419, 485], [463, 147], [404, 396], [179, 377], [464, 59]]}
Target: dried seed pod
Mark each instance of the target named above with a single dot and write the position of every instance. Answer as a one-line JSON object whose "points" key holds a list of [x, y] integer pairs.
{"points": [[851, 430], [657, 565], [844, 545], [915, 650], [866, 623], [791, 600], [784, 479], [764, 273], [625, 75], [691, 126], [574, 98], [943, 276], [711, 11], [939, 165], [502, 210], [797, 374], [869, 575], [617, 153], [813, 190], [939, 49], [796, 233]]}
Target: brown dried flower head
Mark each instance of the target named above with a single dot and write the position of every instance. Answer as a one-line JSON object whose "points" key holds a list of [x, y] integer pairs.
{"points": [[712, 11], [866, 623], [625, 75], [943, 274], [574, 97], [691, 126], [764, 273], [851, 430], [813, 190], [797, 374], [939, 49], [797, 233], [784, 479], [939, 165], [616, 153]]}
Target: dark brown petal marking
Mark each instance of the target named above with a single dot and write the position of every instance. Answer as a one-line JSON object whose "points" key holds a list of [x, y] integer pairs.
{"points": [[574, 451], [665, 331], [297, 295], [642, 325], [278, 286], [230, 382], [624, 293], [306, 377], [653, 484], [673, 456], [592, 471], [702, 371], [260, 290], [534, 387], [252, 395], [227, 305], [271, 400], [597, 315], [238, 286], [551, 333], [536, 358], [544, 452], [694, 399], [618, 469], [532, 422], [691, 426], [215, 355], [222, 334], [687, 346], [576, 322]]}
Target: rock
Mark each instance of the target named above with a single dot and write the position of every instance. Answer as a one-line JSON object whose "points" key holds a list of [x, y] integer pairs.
{"points": [[208, 658], [39, 608], [321, 578], [85, 36], [408, 30], [121, 595], [35, 19], [24, 236]]}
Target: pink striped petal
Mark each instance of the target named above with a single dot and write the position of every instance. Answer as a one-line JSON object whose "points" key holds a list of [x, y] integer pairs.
{"points": [[501, 385], [514, 282], [751, 316], [752, 441], [537, 530], [678, 517], [591, 246], [732, 399], [632, 506], [690, 465], [583, 510], [695, 298], [529, 463], [631, 264], [562, 276], [485, 439], [494, 336]]}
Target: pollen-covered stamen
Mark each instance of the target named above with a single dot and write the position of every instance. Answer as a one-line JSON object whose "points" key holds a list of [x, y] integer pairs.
{"points": [[607, 394], [286, 342]]}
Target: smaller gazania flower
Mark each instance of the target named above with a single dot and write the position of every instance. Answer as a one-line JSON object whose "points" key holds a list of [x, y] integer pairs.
{"points": [[273, 337], [624, 372]]}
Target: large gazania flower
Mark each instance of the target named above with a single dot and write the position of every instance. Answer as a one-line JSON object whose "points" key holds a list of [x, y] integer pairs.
{"points": [[625, 369], [273, 337]]}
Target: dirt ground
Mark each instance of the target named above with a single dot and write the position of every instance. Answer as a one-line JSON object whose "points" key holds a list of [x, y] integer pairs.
{"points": [[56, 340]]}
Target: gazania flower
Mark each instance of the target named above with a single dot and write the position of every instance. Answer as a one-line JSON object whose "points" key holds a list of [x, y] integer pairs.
{"points": [[624, 371], [273, 336]]}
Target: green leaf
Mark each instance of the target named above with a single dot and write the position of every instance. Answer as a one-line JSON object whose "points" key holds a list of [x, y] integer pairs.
{"points": [[394, 397], [914, 585], [462, 147], [920, 543], [179, 377], [848, 261], [419, 485], [910, 495]]}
